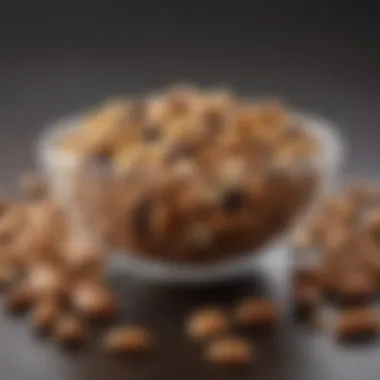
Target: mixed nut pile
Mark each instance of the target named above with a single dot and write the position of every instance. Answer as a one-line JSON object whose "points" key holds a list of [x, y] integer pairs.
{"points": [[338, 257], [191, 176], [58, 276]]}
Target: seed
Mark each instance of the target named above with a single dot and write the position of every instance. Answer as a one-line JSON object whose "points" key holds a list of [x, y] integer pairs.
{"points": [[69, 330], [251, 312], [32, 186], [94, 300], [127, 340], [45, 315], [230, 351], [207, 323]]}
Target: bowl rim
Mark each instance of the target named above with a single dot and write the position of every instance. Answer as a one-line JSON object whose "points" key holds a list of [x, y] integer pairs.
{"points": [[328, 162]]}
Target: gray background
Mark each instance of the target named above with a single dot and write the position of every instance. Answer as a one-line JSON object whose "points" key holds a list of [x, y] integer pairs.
{"points": [[58, 59]]}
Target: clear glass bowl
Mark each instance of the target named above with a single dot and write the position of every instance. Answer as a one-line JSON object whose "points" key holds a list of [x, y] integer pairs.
{"points": [[67, 174]]}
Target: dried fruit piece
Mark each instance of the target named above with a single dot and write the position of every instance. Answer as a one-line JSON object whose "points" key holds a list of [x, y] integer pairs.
{"points": [[207, 323], [230, 351], [127, 340]]}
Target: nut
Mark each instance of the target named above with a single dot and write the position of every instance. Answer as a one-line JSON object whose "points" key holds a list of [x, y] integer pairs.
{"points": [[127, 340], [251, 312], [207, 323], [230, 351], [69, 330], [46, 280], [357, 285], [93, 300], [357, 322]]}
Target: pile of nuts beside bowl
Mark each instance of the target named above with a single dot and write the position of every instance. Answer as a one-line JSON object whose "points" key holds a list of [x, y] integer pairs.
{"points": [[58, 276], [190, 176], [338, 255]]}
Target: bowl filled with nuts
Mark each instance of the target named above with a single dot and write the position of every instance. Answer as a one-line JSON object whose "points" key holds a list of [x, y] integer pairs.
{"points": [[190, 185]]}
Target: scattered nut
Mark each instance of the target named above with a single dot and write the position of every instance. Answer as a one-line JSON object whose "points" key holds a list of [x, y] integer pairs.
{"points": [[230, 351], [357, 322], [207, 323], [46, 280], [127, 340], [252, 312], [94, 300]]}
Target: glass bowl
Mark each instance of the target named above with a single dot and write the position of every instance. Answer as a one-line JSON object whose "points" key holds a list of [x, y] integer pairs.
{"points": [[65, 173]]}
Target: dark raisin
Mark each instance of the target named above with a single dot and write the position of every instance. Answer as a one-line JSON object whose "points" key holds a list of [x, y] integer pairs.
{"points": [[151, 133], [233, 200], [142, 217]]}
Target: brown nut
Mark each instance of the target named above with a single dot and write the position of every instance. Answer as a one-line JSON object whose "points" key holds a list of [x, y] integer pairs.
{"points": [[207, 323], [45, 315], [32, 186], [252, 312], [69, 330], [357, 322], [357, 285], [127, 340], [93, 300], [230, 351], [20, 299]]}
